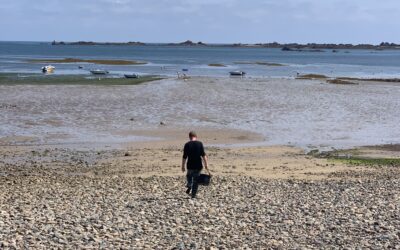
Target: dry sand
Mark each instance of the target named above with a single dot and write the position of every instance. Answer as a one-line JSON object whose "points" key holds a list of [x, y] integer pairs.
{"points": [[230, 152]]}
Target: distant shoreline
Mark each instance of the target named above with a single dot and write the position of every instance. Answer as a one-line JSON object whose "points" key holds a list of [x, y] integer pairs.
{"points": [[314, 47]]}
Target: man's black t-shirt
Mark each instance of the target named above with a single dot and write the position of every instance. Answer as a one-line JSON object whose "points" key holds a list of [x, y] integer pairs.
{"points": [[193, 151]]}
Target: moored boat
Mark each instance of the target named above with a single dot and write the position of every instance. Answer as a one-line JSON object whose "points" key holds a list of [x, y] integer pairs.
{"points": [[131, 75], [237, 73], [99, 72], [48, 69]]}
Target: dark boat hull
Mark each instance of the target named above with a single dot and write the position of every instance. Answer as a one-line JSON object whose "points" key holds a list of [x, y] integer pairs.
{"points": [[237, 73], [131, 76], [99, 72]]}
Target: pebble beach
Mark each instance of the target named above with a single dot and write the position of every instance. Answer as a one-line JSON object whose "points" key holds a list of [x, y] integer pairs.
{"points": [[67, 202]]}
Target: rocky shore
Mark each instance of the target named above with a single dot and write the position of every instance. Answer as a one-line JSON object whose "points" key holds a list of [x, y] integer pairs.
{"points": [[54, 199]]}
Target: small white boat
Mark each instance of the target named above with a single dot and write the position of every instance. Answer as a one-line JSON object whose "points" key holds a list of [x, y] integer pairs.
{"points": [[131, 75], [48, 69], [99, 72], [237, 73]]}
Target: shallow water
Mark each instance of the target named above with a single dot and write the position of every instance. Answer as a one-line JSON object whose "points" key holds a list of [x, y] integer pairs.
{"points": [[290, 112]]}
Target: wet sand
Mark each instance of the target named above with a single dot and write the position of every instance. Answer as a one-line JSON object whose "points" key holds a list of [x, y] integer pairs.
{"points": [[303, 113]]}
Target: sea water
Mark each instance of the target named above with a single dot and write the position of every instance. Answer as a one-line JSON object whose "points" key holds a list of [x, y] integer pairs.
{"points": [[168, 60]]}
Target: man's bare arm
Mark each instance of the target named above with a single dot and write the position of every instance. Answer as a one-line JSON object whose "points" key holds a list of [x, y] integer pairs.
{"points": [[183, 164], [205, 159]]}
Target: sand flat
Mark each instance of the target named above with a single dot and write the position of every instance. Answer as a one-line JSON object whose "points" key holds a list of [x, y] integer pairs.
{"points": [[303, 113]]}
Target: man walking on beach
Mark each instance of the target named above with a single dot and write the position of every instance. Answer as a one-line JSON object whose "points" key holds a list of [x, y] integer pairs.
{"points": [[193, 155]]}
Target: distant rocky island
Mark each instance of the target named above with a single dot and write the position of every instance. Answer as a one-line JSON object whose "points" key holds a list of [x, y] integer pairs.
{"points": [[319, 47], [311, 47], [190, 43], [95, 43]]}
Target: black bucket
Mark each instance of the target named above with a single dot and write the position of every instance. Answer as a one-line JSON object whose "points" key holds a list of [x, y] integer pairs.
{"points": [[204, 179]]}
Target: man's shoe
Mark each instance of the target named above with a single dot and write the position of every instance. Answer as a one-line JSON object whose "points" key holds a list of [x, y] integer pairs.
{"points": [[193, 196], [188, 190]]}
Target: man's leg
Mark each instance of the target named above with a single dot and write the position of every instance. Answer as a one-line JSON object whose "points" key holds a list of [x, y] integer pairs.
{"points": [[189, 181], [195, 184]]}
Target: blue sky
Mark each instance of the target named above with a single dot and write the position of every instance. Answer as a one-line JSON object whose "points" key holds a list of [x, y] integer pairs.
{"points": [[223, 21]]}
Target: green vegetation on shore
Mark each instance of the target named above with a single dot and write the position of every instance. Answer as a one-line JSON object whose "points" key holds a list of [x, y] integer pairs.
{"points": [[96, 61], [262, 63], [41, 79], [361, 161], [355, 157]]}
